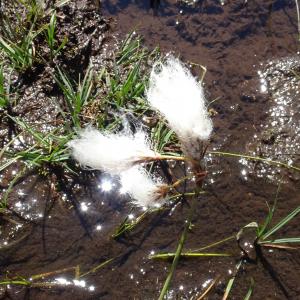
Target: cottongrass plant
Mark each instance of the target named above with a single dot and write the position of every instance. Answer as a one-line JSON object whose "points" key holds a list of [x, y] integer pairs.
{"points": [[145, 190], [111, 153], [179, 97], [119, 154]]}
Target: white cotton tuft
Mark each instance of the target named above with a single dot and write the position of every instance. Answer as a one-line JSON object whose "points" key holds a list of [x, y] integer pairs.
{"points": [[112, 153], [180, 98], [144, 190]]}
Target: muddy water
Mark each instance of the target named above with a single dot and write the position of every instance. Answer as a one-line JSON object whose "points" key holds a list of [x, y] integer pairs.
{"points": [[250, 51]]}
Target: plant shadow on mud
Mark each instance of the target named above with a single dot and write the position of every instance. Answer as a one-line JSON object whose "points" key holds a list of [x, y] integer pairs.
{"points": [[62, 232]]}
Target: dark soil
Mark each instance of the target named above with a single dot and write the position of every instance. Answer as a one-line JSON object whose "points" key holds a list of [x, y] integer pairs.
{"points": [[250, 51]]}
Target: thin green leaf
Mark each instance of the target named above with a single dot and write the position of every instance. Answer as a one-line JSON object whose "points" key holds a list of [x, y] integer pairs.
{"points": [[250, 290], [256, 158], [280, 224], [270, 215], [231, 281], [282, 241], [175, 262], [188, 255]]}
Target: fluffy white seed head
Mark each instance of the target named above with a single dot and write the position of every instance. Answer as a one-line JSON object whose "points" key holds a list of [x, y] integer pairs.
{"points": [[144, 190], [177, 95], [112, 153]]}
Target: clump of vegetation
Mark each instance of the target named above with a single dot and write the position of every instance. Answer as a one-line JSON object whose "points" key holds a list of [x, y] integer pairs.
{"points": [[126, 105]]}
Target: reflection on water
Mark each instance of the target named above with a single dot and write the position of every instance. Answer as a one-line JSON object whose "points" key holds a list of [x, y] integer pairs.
{"points": [[84, 206], [103, 208], [278, 138], [75, 282], [106, 185], [29, 209]]}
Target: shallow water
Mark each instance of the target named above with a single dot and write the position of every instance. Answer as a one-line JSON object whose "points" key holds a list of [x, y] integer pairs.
{"points": [[250, 52]]}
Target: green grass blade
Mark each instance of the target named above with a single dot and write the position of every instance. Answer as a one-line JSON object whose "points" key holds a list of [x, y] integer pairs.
{"points": [[8, 162], [256, 158], [250, 290], [187, 255], [175, 262], [215, 243], [60, 3], [280, 224], [282, 241], [231, 281], [228, 288], [15, 282], [270, 215], [3, 93], [93, 270], [85, 88], [11, 186]]}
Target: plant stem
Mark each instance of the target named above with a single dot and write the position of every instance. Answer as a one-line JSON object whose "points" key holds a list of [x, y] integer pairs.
{"points": [[257, 158], [175, 262], [148, 159], [187, 254]]}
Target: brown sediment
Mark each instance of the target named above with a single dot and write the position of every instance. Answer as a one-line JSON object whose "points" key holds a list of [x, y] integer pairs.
{"points": [[234, 41]]}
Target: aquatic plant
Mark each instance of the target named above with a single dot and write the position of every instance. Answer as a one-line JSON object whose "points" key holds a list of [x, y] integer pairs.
{"points": [[112, 153], [20, 55], [252, 250], [51, 38], [177, 95], [18, 34], [76, 94], [145, 190], [4, 91]]}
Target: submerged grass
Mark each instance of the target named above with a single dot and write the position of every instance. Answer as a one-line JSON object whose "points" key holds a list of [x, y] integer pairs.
{"points": [[264, 231], [256, 158], [231, 280], [45, 280], [208, 289], [264, 234], [127, 225], [180, 254], [102, 99], [263, 239], [182, 239]]}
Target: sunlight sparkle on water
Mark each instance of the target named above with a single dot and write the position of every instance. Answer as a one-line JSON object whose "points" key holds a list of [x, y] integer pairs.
{"points": [[21, 193], [18, 204], [278, 135], [84, 206], [142, 271], [106, 185], [80, 283], [122, 191], [62, 281], [206, 283], [244, 172], [75, 282]]}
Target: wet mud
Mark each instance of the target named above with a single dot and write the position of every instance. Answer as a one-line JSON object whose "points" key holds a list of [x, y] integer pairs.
{"points": [[250, 50]]}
